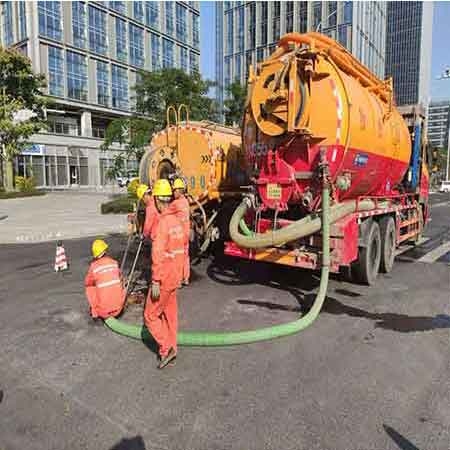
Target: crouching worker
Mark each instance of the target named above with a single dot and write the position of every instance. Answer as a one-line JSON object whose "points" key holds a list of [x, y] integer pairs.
{"points": [[103, 282], [181, 207], [144, 194], [161, 313]]}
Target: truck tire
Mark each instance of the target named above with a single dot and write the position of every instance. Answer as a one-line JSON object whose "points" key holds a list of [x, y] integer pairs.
{"points": [[365, 270], [388, 238]]}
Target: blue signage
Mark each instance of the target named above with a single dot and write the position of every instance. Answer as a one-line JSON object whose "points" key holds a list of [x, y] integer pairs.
{"points": [[34, 149]]}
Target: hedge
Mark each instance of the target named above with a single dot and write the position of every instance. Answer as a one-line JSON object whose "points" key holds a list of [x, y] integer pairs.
{"points": [[120, 205], [15, 194]]}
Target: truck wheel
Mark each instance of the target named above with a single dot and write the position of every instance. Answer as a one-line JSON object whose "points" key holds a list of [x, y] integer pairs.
{"points": [[368, 263], [388, 238]]}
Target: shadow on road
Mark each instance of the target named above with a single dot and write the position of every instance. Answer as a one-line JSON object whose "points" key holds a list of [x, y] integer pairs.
{"points": [[389, 321], [135, 443], [401, 441]]}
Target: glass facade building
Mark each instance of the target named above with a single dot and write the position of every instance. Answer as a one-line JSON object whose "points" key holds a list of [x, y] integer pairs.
{"points": [[92, 52], [408, 50], [438, 123], [247, 32]]}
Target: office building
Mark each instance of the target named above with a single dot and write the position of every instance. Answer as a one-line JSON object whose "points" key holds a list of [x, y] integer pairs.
{"points": [[438, 123], [408, 50], [247, 32], [91, 53]]}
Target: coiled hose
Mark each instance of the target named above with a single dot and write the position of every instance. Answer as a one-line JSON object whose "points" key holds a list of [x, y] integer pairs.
{"points": [[212, 339]]}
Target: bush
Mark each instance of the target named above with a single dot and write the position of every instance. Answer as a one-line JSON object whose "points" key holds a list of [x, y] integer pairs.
{"points": [[132, 186], [120, 205], [14, 194], [25, 184]]}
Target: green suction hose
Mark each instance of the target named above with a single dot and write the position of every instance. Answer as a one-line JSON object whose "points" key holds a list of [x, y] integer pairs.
{"points": [[244, 228], [211, 339]]}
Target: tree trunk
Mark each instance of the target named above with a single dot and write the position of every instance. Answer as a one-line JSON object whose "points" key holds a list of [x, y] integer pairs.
{"points": [[9, 176]]}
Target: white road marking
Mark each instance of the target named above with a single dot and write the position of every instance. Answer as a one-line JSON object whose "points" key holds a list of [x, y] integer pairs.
{"points": [[405, 248], [438, 205], [436, 253]]}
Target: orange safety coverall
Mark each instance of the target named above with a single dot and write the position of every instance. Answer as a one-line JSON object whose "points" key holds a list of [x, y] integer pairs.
{"points": [[182, 210], [104, 288], [151, 219], [161, 315]]}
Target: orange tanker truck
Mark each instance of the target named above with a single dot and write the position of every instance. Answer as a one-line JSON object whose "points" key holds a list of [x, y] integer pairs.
{"points": [[318, 123], [209, 157]]}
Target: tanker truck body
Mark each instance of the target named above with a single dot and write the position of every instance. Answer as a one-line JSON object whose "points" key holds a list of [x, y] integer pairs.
{"points": [[209, 157], [310, 105]]}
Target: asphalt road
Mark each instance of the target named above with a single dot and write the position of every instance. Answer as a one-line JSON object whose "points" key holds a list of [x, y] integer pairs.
{"points": [[372, 373]]}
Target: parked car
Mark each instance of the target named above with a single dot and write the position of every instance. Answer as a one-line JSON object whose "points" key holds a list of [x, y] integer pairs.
{"points": [[124, 180], [445, 186]]}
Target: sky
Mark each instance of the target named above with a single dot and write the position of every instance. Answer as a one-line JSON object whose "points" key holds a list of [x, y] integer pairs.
{"points": [[439, 89]]}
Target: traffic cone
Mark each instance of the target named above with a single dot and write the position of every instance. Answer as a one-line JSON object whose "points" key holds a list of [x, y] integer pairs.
{"points": [[60, 258]]}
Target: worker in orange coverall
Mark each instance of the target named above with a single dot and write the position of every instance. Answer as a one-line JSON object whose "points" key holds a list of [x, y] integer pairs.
{"points": [[103, 283], [144, 194], [161, 313], [181, 207]]}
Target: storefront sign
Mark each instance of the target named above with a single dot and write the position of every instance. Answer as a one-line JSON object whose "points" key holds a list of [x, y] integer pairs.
{"points": [[34, 149]]}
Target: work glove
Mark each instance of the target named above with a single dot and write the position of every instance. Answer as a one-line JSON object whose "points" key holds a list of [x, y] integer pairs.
{"points": [[155, 290]]}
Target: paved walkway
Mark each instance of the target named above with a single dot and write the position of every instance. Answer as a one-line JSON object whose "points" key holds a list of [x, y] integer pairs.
{"points": [[58, 215]]}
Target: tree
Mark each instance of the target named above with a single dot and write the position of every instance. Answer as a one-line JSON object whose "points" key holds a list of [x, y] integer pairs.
{"points": [[235, 103], [21, 106], [154, 93]]}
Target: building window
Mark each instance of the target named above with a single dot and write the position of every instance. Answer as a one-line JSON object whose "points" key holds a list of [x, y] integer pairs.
{"points": [[332, 14], [263, 24], [118, 6], [102, 83], [238, 67], [276, 21], [317, 15], [248, 63], [167, 53], [55, 71], [121, 40], [138, 11], [58, 127], [227, 75], [251, 29], [50, 19], [348, 12], [229, 33], [193, 62], [184, 59], [260, 54], [119, 87], [169, 17], [22, 21], [79, 24], [303, 17], [76, 76], [8, 37], [181, 22], [152, 14], [156, 52], [195, 31], [136, 45], [98, 42], [289, 17], [240, 30]]}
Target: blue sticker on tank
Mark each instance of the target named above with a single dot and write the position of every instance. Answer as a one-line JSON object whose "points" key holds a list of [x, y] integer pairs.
{"points": [[361, 159]]}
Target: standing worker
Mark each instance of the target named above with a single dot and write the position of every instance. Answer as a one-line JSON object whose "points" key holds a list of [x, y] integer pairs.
{"points": [[144, 193], [161, 313], [103, 283], [182, 210]]}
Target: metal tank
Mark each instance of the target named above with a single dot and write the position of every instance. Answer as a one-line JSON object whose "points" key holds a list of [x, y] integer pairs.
{"points": [[210, 158], [313, 95]]}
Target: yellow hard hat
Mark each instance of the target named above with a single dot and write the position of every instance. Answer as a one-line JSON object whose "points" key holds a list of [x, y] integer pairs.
{"points": [[99, 246], [179, 184], [162, 188], [141, 190]]}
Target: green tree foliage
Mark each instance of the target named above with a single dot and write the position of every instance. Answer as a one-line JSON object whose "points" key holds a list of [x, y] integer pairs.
{"points": [[235, 103], [154, 93], [21, 106]]}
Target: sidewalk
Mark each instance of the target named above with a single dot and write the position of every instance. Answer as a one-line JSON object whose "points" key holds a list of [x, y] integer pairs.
{"points": [[57, 215]]}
